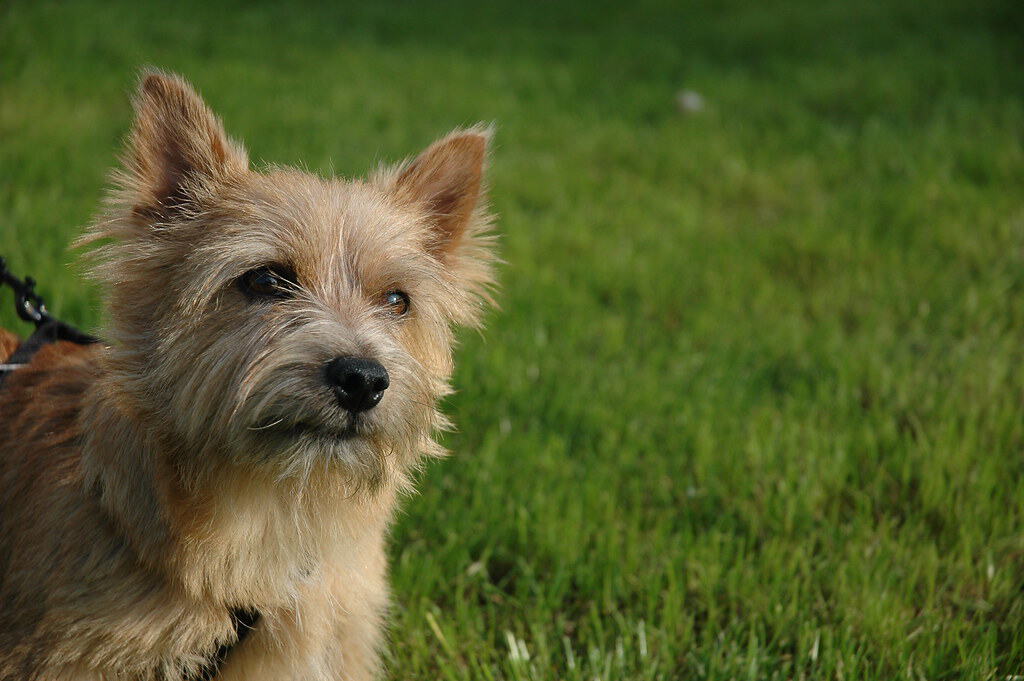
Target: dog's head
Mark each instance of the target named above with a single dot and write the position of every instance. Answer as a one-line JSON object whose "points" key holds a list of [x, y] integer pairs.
{"points": [[282, 319]]}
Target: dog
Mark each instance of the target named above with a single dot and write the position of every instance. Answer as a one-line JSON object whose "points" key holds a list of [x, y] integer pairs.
{"points": [[206, 493]]}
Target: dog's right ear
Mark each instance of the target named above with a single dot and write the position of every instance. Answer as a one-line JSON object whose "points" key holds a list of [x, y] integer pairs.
{"points": [[177, 148]]}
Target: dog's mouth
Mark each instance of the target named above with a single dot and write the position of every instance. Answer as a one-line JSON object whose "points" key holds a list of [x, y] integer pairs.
{"points": [[283, 428]]}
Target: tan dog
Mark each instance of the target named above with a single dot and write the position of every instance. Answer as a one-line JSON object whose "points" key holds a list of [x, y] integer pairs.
{"points": [[275, 347]]}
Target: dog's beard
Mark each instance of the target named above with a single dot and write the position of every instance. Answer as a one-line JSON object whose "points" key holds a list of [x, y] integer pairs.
{"points": [[296, 433], [296, 452]]}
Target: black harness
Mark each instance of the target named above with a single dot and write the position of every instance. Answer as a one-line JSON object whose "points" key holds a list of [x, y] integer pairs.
{"points": [[244, 620], [31, 308]]}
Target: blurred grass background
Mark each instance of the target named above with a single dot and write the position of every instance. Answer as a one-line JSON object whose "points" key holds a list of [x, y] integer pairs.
{"points": [[753, 406]]}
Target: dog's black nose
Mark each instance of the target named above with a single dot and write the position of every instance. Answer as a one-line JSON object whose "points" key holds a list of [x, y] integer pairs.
{"points": [[358, 383]]}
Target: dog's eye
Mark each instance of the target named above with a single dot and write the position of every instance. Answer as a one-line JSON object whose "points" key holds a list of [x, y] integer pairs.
{"points": [[397, 302], [268, 282]]}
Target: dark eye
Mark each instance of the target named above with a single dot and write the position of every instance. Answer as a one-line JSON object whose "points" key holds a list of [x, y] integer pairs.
{"points": [[268, 281], [397, 302]]}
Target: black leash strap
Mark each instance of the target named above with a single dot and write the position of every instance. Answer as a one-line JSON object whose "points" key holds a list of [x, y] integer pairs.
{"points": [[30, 307]]}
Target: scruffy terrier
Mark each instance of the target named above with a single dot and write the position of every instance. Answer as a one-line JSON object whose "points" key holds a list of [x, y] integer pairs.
{"points": [[206, 494]]}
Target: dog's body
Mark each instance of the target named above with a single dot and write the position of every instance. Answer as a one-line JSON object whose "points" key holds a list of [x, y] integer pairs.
{"points": [[274, 351]]}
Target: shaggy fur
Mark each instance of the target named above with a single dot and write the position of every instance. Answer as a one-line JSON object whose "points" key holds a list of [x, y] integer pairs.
{"points": [[196, 461]]}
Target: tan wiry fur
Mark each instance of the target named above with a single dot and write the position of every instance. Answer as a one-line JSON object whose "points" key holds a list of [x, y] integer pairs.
{"points": [[192, 462]]}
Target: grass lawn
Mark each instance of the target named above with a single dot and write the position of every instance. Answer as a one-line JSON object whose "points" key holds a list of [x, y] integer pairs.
{"points": [[753, 407]]}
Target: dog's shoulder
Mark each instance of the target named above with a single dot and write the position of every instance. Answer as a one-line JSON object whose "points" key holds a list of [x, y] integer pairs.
{"points": [[40, 402]]}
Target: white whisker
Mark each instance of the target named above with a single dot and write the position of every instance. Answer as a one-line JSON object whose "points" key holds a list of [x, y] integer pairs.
{"points": [[269, 425]]}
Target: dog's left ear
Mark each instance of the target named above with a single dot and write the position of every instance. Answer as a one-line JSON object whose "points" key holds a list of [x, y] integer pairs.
{"points": [[446, 181]]}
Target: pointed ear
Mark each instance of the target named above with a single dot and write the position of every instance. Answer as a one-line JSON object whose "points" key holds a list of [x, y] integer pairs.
{"points": [[177, 146], [446, 180]]}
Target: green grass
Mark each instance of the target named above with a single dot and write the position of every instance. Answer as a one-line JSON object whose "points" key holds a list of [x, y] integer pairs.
{"points": [[753, 407]]}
